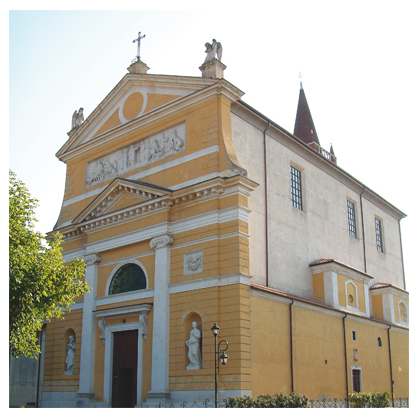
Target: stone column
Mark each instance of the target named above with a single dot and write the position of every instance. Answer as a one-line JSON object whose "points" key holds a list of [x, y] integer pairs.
{"points": [[160, 343], [87, 351]]}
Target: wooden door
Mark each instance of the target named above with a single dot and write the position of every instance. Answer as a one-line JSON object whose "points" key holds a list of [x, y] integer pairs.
{"points": [[124, 370], [356, 380]]}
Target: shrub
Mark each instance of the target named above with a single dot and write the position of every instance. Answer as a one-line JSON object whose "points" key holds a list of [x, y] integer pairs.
{"points": [[279, 400], [369, 399]]}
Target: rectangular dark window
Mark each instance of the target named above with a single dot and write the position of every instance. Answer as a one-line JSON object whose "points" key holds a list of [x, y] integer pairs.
{"points": [[296, 187], [351, 215], [379, 242]]}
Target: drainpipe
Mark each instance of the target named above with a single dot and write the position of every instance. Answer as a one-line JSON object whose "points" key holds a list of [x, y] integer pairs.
{"points": [[345, 359], [266, 204], [363, 231], [390, 367], [402, 257], [291, 343]]}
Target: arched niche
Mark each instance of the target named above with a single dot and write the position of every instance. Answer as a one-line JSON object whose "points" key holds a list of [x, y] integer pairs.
{"points": [[187, 327], [69, 332], [351, 295]]}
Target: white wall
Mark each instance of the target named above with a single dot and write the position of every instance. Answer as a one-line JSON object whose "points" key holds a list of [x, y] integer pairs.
{"points": [[297, 238]]}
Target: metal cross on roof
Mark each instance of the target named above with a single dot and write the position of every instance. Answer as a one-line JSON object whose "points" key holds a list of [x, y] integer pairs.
{"points": [[138, 45]]}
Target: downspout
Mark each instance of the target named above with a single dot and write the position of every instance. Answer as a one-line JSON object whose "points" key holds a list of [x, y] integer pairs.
{"points": [[291, 344], [363, 231], [402, 257], [345, 359], [390, 367], [266, 204]]}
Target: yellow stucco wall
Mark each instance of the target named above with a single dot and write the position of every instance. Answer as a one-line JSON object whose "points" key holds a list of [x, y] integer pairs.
{"points": [[228, 306], [400, 362], [318, 286], [373, 360], [55, 353], [318, 351], [377, 306], [270, 342], [201, 131], [341, 285], [398, 310]]}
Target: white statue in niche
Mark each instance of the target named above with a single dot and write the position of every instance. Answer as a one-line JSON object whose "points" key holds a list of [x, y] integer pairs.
{"points": [[194, 352], [71, 349]]}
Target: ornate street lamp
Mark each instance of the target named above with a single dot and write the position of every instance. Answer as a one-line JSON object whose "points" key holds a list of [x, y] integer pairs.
{"points": [[223, 358]]}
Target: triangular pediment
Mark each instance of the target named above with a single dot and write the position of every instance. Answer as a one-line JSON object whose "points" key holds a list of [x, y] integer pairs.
{"points": [[118, 195], [134, 96]]}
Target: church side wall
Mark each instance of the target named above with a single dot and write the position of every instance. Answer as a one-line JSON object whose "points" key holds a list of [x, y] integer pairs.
{"points": [[298, 237], [319, 357]]}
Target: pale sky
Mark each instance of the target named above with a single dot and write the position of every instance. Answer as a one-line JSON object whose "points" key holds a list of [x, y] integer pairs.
{"points": [[359, 64]]}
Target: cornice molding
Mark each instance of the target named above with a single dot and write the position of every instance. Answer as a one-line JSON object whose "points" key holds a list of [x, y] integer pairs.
{"points": [[390, 290], [210, 189], [343, 269]]}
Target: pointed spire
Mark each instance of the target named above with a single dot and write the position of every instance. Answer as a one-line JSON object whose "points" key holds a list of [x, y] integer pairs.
{"points": [[304, 125]]}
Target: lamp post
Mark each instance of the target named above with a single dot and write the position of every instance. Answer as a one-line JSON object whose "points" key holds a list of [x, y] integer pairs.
{"points": [[223, 358]]}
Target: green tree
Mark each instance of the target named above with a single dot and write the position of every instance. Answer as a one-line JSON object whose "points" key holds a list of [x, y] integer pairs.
{"points": [[40, 285]]}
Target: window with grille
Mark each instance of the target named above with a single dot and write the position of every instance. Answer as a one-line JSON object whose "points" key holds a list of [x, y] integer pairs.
{"points": [[379, 241], [296, 187], [128, 278], [351, 215]]}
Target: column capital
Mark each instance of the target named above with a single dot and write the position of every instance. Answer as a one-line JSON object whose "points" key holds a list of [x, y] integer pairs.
{"points": [[161, 241], [90, 259]]}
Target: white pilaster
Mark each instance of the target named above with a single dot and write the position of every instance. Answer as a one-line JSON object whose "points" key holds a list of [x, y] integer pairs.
{"points": [[160, 343], [87, 351], [367, 299], [331, 288], [388, 307]]}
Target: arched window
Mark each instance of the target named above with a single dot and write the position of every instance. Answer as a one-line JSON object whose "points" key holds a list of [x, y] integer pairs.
{"points": [[379, 342], [128, 278]]}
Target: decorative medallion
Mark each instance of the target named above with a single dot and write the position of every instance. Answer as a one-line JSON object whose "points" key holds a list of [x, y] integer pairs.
{"points": [[193, 262]]}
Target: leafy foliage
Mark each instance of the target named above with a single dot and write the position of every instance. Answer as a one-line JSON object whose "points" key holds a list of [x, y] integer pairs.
{"points": [[279, 400], [40, 285], [369, 399]]}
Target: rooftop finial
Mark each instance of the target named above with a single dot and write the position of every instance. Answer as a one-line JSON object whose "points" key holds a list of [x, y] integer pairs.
{"points": [[140, 37], [300, 79]]}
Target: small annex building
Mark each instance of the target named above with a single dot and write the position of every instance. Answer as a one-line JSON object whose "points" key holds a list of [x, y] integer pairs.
{"points": [[191, 208]]}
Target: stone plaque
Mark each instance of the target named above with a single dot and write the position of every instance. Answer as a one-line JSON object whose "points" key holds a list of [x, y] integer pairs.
{"points": [[139, 154]]}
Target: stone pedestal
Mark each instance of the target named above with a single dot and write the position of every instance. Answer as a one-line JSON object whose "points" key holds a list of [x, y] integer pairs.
{"points": [[138, 67], [213, 69]]}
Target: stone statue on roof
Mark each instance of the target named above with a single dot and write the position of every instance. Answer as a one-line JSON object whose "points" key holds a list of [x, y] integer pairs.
{"points": [[213, 49], [77, 118]]}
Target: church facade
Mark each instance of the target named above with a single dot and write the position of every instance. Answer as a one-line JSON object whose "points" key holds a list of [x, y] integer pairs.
{"points": [[191, 208]]}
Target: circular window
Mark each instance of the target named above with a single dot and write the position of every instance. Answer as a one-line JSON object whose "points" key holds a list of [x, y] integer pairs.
{"points": [[128, 278], [351, 300]]}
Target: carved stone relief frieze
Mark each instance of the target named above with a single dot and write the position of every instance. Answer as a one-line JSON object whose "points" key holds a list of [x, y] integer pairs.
{"points": [[139, 154], [193, 262]]}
